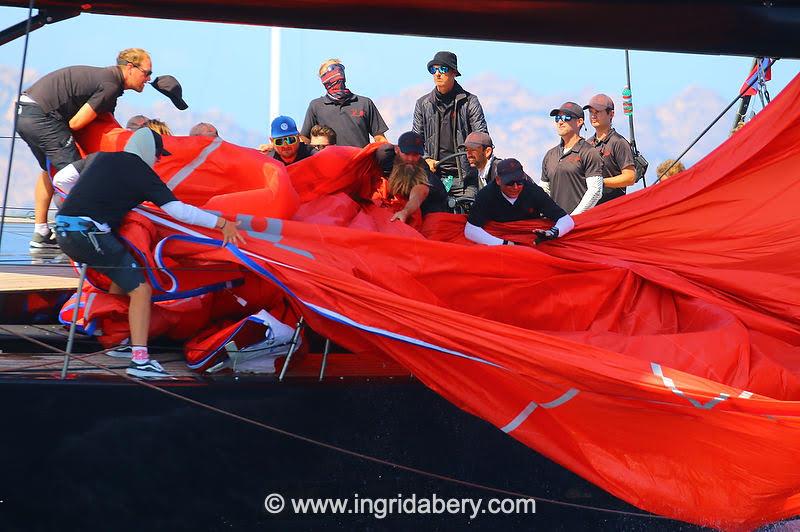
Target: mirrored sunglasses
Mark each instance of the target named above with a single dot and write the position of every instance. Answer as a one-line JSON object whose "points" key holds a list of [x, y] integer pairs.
{"points": [[565, 118], [285, 141], [442, 69]]}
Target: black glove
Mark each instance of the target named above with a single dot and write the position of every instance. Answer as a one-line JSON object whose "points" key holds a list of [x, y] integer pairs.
{"points": [[545, 234]]}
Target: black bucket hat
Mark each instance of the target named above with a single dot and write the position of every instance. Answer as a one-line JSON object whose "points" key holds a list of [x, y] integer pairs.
{"points": [[447, 59]]}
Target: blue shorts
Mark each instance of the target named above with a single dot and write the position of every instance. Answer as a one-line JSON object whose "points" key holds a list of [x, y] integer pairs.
{"points": [[111, 259]]}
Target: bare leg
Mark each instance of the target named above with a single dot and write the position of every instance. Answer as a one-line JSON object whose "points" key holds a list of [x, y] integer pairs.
{"points": [[116, 290], [43, 193], [139, 314]]}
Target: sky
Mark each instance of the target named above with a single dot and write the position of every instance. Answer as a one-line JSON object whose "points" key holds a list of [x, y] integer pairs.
{"points": [[225, 68]]}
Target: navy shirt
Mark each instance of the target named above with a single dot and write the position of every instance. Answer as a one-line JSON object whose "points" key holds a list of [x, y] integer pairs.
{"points": [[66, 90], [113, 183], [567, 172], [353, 121], [492, 206], [616, 154]]}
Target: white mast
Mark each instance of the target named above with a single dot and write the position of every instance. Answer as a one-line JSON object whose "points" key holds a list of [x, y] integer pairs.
{"points": [[274, 73]]}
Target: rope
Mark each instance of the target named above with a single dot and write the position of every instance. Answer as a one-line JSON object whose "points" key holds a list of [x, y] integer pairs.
{"points": [[16, 116], [336, 448]]}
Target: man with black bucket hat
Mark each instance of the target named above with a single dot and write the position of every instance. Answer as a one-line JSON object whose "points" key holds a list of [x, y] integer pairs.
{"points": [[111, 184], [572, 171], [445, 117], [512, 196]]}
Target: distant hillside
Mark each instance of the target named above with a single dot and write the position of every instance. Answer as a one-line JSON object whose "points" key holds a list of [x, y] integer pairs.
{"points": [[518, 122]]}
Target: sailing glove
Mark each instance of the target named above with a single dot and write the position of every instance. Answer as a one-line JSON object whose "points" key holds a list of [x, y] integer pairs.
{"points": [[545, 234]]}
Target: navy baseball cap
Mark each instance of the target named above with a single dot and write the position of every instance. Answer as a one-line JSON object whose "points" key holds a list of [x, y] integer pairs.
{"points": [[410, 142], [568, 108], [283, 126], [509, 170], [169, 87]]}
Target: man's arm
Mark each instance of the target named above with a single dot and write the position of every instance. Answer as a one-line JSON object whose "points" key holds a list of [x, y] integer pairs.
{"points": [[479, 235], [477, 120], [594, 190], [625, 179], [82, 118], [418, 194], [194, 216]]}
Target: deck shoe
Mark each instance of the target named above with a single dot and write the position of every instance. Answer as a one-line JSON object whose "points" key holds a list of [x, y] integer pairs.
{"points": [[148, 369], [121, 351], [44, 241]]}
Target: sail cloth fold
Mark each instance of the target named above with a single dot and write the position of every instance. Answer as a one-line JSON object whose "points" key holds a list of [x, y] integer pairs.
{"points": [[655, 350]]}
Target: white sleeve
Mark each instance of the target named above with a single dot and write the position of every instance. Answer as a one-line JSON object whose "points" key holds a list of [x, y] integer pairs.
{"points": [[593, 193], [66, 178], [190, 214], [545, 186], [565, 224], [480, 236]]}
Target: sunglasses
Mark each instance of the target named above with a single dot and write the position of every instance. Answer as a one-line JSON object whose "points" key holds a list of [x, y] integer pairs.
{"points": [[319, 147], [565, 118], [518, 183], [285, 141], [443, 69], [333, 67], [147, 73]]}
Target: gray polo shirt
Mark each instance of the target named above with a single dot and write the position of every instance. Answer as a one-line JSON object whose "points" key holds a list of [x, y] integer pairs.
{"points": [[66, 90], [567, 172], [353, 121], [616, 154]]}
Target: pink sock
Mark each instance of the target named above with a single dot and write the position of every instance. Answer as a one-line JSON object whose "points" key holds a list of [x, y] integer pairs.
{"points": [[139, 354]]}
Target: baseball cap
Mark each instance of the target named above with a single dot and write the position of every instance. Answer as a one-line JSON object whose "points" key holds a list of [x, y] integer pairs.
{"points": [[160, 145], [135, 122], [478, 139], [568, 108], [509, 170], [410, 142], [283, 126], [169, 87], [600, 102]]}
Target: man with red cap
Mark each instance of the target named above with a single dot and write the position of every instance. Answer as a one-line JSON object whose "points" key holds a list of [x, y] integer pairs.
{"points": [[619, 170], [353, 117], [572, 171]]}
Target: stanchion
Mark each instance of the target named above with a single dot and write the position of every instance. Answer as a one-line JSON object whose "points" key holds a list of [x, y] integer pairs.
{"points": [[72, 325], [324, 358]]}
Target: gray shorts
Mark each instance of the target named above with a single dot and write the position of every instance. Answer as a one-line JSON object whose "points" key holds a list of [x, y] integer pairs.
{"points": [[112, 260]]}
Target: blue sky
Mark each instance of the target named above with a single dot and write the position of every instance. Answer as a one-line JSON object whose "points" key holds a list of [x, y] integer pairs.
{"points": [[226, 67]]}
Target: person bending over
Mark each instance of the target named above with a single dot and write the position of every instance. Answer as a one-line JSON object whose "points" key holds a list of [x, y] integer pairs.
{"points": [[512, 197], [110, 185]]}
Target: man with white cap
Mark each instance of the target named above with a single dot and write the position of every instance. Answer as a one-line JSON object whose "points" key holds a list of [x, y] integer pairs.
{"points": [[110, 185], [572, 172], [619, 170]]}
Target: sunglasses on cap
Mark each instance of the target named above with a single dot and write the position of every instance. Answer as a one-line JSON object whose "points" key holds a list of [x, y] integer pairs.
{"points": [[565, 118], [285, 141], [441, 69]]}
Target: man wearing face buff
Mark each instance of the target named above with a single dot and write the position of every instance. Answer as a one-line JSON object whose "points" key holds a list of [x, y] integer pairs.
{"points": [[353, 117], [511, 197], [110, 185]]}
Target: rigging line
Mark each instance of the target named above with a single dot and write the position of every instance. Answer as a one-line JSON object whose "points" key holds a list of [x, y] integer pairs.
{"points": [[16, 117], [741, 94], [342, 450]]}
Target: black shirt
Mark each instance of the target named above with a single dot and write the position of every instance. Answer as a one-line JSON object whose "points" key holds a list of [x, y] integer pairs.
{"points": [[446, 114], [616, 154], [66, 90], [437, 195], [567, 172], [113, 183], [353, 121], [303, 152], [533, 202]]}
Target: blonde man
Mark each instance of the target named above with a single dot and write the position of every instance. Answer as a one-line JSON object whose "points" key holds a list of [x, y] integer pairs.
{"points": [[354, 118], [668, 169], [65, 101]]}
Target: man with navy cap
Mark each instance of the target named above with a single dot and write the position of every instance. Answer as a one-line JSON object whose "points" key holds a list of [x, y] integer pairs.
{"points": [[512, 196], [572, 171], [619, 170], [285, 139], [409, 150], [444, 117]]}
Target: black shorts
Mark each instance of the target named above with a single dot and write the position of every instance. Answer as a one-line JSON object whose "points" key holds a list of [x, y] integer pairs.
{"points": [[114, 261], [47, 135]]}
